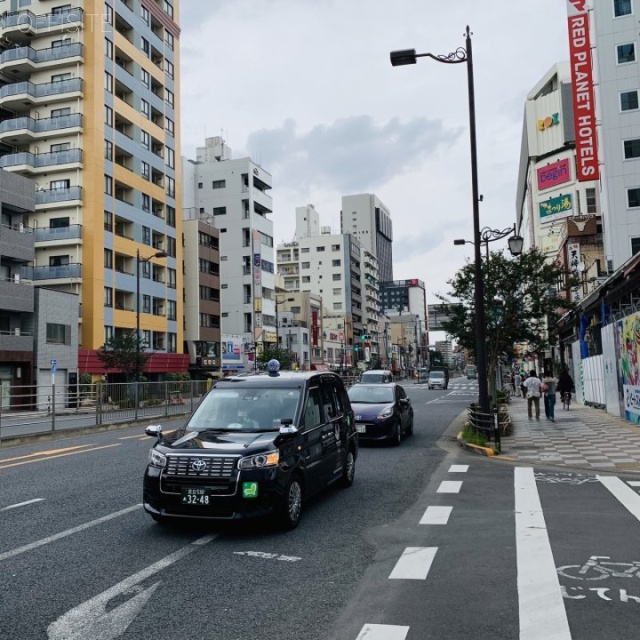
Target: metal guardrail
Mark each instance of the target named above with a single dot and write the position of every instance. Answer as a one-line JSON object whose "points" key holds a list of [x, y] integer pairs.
{"points": [[30, 410]]}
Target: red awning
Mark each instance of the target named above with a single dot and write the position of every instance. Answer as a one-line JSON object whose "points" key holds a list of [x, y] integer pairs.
{"points": [[319, 367]]}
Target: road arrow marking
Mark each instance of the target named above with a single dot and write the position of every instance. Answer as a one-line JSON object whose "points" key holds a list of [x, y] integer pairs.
{"points": [[91, 619]]}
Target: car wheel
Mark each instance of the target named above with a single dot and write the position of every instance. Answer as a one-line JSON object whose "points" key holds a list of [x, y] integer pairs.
{"points": [[349, 472], [291, 507], [158, 518], [397, 435]]}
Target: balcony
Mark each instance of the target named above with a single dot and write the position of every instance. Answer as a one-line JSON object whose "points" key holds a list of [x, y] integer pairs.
{"points": [[25, 129], [17, 95], [49, 234], [15, 341], [28, 162], [16, 295], [56, 198], [16, 243], [25, 60], [73, 270], [20, 26]]}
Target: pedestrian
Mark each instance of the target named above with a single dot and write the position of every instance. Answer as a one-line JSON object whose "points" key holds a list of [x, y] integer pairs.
{"points": [[565, 384], [523, 389], [549, 384], [517, 384], [533, 385]]}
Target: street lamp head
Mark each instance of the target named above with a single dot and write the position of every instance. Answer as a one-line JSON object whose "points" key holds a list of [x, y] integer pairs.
{"points": [[459, 241], [515, 245], [160, 254], [402, 57]]}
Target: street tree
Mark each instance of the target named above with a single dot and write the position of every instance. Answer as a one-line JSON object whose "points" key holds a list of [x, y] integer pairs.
{"points": [[524, 299], [282, 355], [125, 352]]}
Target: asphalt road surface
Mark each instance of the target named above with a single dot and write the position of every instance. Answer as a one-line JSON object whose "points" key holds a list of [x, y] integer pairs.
{"points": [[429, 542]]}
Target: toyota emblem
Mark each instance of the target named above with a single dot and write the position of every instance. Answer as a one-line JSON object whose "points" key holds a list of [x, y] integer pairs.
{"points": [[199, 465]]}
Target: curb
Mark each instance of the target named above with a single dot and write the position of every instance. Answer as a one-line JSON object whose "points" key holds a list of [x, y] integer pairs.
{"points": [[475, 448]]}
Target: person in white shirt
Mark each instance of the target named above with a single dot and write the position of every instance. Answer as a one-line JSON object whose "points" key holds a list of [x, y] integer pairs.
{"points": [[533, 386]]}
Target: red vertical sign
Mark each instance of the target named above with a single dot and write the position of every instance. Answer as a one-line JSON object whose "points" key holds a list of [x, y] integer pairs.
{"points": [[584, 111], [314, 326]]}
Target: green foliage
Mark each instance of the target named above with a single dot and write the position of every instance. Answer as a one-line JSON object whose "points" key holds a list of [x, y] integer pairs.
{"points": [[282, 355], [470, 435], [124, 352], [528, 287]]}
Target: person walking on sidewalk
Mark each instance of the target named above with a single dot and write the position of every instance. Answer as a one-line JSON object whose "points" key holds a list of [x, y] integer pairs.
{"points": [[517, 384], [533, 387], [549, 389], [565, 384]]}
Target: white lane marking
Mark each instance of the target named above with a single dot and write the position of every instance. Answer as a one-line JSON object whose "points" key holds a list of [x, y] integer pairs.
{"points": [[436, 515], [91, 618], [626, 495], [414, 563], [634, 483], [382, 632], [68, 532], [450, 486], [22, 504], [459, 468], [542, 612], [267, 556]]}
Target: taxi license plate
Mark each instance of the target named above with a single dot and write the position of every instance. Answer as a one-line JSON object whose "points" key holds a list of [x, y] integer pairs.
{"points": [[361, 428], [196, 496]]}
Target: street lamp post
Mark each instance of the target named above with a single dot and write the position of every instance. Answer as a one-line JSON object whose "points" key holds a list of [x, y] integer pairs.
{"points": [[279, 302], [139, 261], [488, 235], [409, 56]]}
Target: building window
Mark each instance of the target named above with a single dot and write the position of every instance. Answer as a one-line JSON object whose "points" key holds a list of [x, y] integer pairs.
{"points": [[168, 39], [171, 187], [336, 263], [306, 265], [145, 139], [108, 185], [145, 170], [58, 333], [146, 236], [144, 45], [144, 12], [632, 149], [219, 211], [629, 100], [108, 333], [337, 291], [108, 297], [169, 69], [633, 198], [168, 97], [621, 8], [172, 341], [171, 310], [171, 278], [169, 126], [592, 204], [108, 259], [108, 116], [626, 53], [146, 202], [158, 341], [635, 246], [55, 185], [146, 78], [144, 109], [168, 8], [108, 221], [337, 276], [200, 185], [108, 150], [146, 304], [171, 158], [59, 223], [218, 184], [337, 306], [306, 279], [108, 13], [171, 216], [319, 249], [108, 48], [108, 82], [335, 247]]}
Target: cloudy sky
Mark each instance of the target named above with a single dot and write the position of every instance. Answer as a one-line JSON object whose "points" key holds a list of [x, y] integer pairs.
{"points": [[305, 87]]}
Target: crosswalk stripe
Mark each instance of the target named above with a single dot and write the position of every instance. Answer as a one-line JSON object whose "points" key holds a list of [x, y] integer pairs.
{"points": [[436, 515], [450, 486], [414, 563], [382, 632], [627, 496], [459, 468], [542, 612], [634, 483]]}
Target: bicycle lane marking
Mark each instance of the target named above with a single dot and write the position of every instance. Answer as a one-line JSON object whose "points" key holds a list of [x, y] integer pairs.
{"points": [[541, 607]]}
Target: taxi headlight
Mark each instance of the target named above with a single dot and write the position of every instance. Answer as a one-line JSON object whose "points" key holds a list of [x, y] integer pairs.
{"points": [[157, 459], [260, 461]]}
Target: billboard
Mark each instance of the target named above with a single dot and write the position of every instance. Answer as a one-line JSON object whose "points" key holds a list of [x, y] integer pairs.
{"points": [[554, 174], [628, 343], [584, 111], [556, 208], [232, 352]]}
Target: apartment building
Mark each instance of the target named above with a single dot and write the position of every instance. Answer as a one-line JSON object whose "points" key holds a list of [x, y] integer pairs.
{"points": [[233, 194], [89, 109]]}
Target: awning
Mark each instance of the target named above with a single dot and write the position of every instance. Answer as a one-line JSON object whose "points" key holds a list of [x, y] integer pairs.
{"points": [[319, 367]]}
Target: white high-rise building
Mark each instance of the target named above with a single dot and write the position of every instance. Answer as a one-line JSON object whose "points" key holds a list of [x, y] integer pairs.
{"points": [[234, 193]]}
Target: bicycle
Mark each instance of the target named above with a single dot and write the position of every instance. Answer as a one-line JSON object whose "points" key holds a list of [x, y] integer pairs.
{"points": [[566, 400], [592, 569]]}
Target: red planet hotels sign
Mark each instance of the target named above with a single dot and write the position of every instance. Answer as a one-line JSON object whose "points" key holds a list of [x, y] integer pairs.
{"points": [[584, 112], [553, 174]]}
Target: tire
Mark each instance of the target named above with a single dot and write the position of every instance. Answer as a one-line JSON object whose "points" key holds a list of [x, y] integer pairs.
{"points": [[158, 518], [290, 511], [397, 435], [349, 471]]}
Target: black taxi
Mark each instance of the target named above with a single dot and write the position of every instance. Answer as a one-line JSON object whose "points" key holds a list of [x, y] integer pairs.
{"points": [[255, 446]]}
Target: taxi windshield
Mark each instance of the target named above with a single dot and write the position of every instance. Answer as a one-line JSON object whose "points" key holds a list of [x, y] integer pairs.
{"points": [[245, 409]]}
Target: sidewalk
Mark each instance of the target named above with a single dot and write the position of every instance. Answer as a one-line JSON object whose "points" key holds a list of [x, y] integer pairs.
{"points": [[582, 438]]}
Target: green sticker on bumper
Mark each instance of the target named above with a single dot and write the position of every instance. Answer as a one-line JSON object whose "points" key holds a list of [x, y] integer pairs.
{"points": [[249, 489]]}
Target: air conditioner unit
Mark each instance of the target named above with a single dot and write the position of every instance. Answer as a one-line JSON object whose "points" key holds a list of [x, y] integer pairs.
{"points": [[16, 278]]}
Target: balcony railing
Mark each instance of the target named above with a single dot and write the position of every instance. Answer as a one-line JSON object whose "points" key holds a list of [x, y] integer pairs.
{"points": [[50, 196], [41, 126], [38, 56], [25, 19], [43, 90], [73, 270], [61, 233], [42, 159]]}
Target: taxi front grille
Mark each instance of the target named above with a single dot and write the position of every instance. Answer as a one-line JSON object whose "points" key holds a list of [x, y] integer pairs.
{"points": [[200, 466]]}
